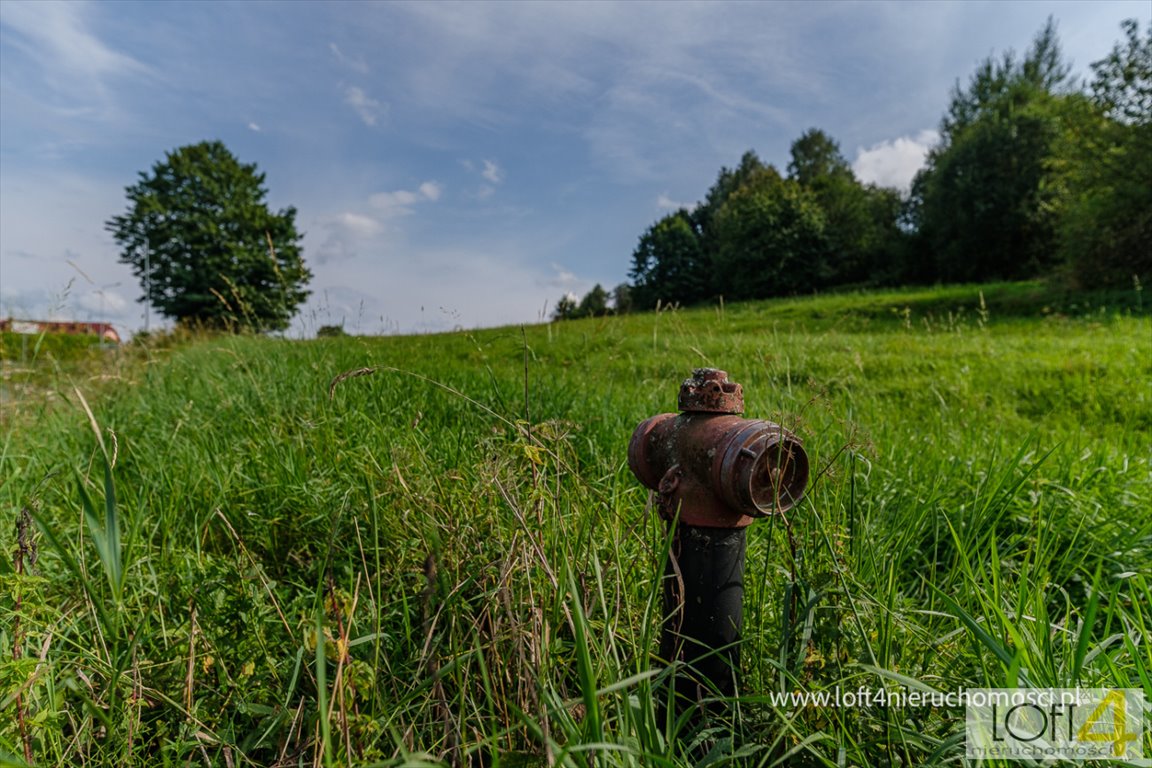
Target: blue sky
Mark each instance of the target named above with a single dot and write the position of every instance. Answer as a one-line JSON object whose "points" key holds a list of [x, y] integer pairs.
{"points": [[459, 164]]}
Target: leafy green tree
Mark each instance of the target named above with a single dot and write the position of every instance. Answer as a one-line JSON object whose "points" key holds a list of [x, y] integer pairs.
{"points": [[728, 181], [1123, 79], [816, 160], [205, 246], [861, 221], [622, 299], [772, 240], [565, 308], [594, 303], [885, 242], [1104, 171], [674, 261], [983, 204], [668, 264]]}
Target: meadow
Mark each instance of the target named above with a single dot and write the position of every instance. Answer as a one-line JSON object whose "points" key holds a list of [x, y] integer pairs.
{"points": [[429, 550]]}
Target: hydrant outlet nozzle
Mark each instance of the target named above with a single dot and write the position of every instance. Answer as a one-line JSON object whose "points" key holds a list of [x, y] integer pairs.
{"points": [[763, 471]]}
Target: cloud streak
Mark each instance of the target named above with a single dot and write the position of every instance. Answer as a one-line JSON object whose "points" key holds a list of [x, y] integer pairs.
{"points": [[493, 172], [58, 35], [69, 71], [400, 201], [367, 108], [356, 64], [358, 224]]}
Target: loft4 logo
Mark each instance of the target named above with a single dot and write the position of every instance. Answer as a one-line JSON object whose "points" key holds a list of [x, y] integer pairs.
{"points": [[1108, 723], [1059, 723]]}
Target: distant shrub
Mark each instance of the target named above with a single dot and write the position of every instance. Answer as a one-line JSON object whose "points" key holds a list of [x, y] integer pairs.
{"points": [[330, 331]]}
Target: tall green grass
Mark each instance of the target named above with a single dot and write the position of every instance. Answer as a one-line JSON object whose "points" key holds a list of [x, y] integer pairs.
{"points": [[426, 550]]}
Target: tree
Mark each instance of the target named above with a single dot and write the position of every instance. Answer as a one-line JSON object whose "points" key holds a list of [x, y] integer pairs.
{"points": [[1123, 83], [331, 332], [772, 240], [816, 159], [1105, 214], [565, 308], [728, 181], [750, 169], [983, 202], [884, 243], [861, 221], [622, 299], [205, 246], [668, 264], [594, 303]]}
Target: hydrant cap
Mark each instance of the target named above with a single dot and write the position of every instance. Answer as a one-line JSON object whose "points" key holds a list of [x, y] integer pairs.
{"points": [[709, 391]]}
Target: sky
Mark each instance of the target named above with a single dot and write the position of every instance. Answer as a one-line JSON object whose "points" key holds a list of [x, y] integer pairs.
{"points": [[460, 165]]}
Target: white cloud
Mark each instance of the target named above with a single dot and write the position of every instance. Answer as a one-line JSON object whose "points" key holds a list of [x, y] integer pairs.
{"points": [[355, 63], [343, 236], [255, 127], [359, 224], [894, 163], [564, 280], [399, 202], [493, 172], [400, 198], [369, 109], [490, 171]]}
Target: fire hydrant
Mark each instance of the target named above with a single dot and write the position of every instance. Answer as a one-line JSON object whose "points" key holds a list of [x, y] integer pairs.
{"points": [[714, 473]]}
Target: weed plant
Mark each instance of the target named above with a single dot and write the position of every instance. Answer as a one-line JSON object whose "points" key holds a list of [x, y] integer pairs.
{"points": [[429, 550]]}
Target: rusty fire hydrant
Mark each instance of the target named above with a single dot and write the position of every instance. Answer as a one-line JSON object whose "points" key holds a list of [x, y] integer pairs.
{"points": [[714, 472]]}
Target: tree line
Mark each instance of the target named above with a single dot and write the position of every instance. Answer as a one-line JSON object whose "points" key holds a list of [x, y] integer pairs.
{"points": [[1034, 175]]}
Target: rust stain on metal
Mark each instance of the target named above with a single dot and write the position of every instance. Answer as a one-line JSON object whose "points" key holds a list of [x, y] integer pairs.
{"points": [[709, 391], [711, 467]]}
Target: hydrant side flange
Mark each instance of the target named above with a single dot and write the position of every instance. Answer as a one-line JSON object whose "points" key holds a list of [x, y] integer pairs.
{"points": [[718, 470]]}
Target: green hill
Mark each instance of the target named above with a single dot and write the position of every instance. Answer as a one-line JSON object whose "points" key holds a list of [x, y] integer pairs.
{"points": [[407, 550]]}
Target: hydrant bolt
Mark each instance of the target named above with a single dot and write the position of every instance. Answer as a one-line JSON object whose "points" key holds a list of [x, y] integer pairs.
{"points": [[709, 391]]}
